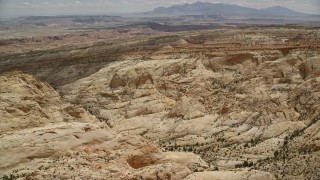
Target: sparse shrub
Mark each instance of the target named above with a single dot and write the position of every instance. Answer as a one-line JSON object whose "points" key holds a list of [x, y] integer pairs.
{"points": [[10, 177], [245, 164], [276, 154], [93, 110]]}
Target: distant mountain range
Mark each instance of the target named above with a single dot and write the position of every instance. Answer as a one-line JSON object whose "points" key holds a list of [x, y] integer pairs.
{"points": [[206, 8]]}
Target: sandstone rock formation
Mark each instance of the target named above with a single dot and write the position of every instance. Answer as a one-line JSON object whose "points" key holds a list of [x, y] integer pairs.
{"points": [[236, 110], [43, 136], [237, 104], [26, 102], [82, 150]]}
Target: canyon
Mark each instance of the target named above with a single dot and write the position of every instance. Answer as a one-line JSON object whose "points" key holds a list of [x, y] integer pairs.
{"points": [[227, 103]]}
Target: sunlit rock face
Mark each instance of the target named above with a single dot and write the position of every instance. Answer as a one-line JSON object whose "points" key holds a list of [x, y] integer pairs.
{"points": [[242, 104]]}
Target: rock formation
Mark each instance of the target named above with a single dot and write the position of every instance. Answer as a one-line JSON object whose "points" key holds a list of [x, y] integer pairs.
{"points": [[238, 104]]}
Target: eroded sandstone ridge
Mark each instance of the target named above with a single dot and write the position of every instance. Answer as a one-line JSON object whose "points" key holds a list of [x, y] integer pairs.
{"points": [[44, 137], [224, 104]]}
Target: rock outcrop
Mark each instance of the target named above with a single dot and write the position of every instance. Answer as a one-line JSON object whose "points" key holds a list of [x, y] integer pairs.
{"points": [[220, 104], [45, 137], [236, 110], [26, 102]]}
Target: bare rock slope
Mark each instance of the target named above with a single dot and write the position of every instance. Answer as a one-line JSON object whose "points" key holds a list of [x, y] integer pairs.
{"points": [[236, 110], [221, 104], [26, 102], [43, 136]]}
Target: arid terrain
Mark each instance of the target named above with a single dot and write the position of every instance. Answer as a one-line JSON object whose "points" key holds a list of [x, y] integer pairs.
{"points": [[143, 103]]}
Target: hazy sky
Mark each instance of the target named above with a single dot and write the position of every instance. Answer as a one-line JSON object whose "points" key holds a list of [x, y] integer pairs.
{"points": [[9, 8]]}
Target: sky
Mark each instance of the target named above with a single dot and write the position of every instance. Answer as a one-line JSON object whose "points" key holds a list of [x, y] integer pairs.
{"points": [[16, 8]]}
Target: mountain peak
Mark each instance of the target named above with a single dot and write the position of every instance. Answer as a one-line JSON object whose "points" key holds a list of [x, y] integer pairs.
{"points": [[281, 10], [277, 7], [205, 8]]}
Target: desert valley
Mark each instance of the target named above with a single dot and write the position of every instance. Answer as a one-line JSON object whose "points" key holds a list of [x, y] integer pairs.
{"points": [[154, 96]]}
